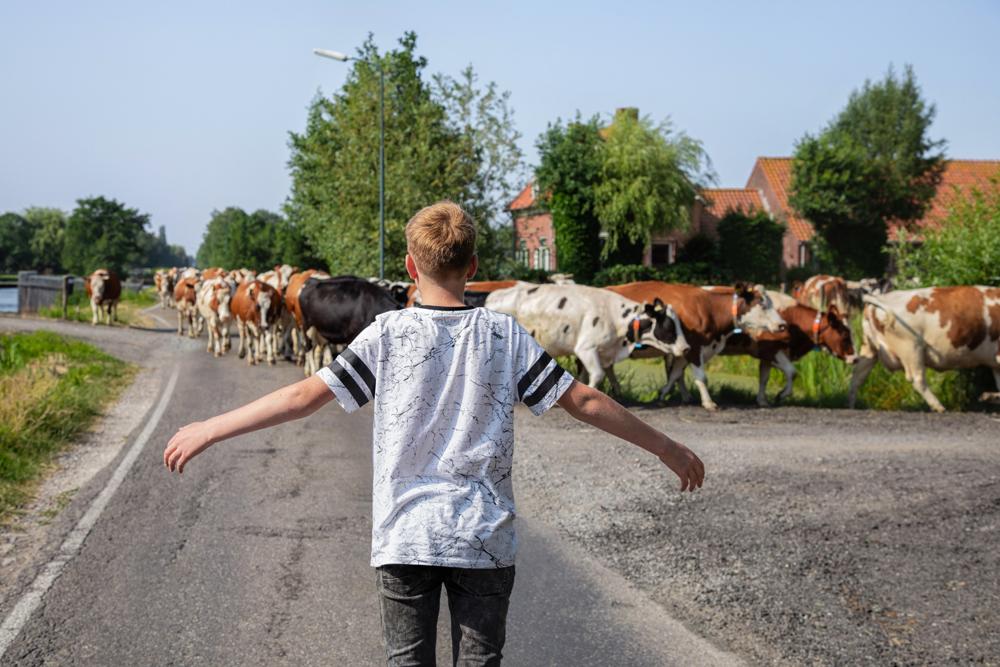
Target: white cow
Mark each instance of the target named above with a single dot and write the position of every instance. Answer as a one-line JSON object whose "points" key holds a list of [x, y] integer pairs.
{"points": [[214, 297], [943, 328], [599, 327]]}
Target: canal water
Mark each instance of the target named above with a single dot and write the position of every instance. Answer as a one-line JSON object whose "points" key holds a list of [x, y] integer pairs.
{"points": [[8, 299]]}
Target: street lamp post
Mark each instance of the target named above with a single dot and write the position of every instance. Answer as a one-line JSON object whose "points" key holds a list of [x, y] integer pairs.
{"points": [[343, 57]]}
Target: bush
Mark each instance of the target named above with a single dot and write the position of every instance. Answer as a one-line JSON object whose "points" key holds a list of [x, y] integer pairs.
{"points": [[965, 250], [624, 273], [750, 246]]}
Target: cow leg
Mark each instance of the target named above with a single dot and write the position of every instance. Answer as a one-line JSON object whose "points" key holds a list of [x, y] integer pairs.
{"points": [[113, 311], [917, 374], [241, 330], [675, 370], [616, 388], [701, 381], [591, 360], [862, 368], [296, 346], [270, 340], [788, 368], [764, 372], [180, 322], [581, 372]]}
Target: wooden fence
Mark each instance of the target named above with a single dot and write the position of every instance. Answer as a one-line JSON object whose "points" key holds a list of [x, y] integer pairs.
{"points": [[36, 291]]}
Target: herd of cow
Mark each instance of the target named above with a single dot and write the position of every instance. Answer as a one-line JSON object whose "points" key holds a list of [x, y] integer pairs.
{"points": [[305, 315]]}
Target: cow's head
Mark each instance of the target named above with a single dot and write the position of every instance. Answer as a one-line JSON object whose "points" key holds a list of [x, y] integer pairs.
{"points": [[223, 295], [835, 335], [754, 312], [264, 303], [659, 328], [98, 279]]}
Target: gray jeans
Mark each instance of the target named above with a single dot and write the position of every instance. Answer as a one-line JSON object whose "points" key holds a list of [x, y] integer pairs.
{"points": [[409, 601]]}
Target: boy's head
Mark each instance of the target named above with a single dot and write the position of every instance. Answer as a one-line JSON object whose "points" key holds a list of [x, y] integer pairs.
{"points": [[441, 239]]}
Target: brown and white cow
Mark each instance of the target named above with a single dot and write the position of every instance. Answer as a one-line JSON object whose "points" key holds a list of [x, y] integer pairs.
{"points": [[186, 302], [822, 291], [708, 317], [808, 329], [598, 327], [943, 328], [104, 289], [164, 280], [214, 297], [256, 306], [295, 284], [213, 272]]}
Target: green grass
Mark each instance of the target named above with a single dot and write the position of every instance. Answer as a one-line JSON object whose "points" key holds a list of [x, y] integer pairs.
{"points": [[129, 305], [51, 390]]}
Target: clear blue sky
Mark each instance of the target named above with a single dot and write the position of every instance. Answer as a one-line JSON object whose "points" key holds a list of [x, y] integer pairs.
{"points": [[178, 108]]}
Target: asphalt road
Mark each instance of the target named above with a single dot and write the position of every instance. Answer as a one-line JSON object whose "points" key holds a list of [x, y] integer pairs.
{"points": [[258, 554]]}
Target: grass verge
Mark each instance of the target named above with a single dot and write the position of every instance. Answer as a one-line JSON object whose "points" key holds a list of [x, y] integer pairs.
{"points": [[129, 307], [51, 390]]}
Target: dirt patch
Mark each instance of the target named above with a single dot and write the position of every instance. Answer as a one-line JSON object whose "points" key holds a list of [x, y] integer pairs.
{"points": [[826, 537]]}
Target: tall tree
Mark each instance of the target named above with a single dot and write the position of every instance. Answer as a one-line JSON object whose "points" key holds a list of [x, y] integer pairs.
{"points": [[873, 164], [49, 228], [15, 243], [429, 155], [569, 170], [650, 175], [259, 240], [103, 233], [484, 120]]}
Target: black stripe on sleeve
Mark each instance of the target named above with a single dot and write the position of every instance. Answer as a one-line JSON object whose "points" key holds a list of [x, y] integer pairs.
{"points": [[348, 381], [533, 373], [545, 387], [361, 368]]}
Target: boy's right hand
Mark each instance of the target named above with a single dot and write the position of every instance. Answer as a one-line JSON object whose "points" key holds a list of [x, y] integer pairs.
{"points": [[187, 443], [685, 465]]}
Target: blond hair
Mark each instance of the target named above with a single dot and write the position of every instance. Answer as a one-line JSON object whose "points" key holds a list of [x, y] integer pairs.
{"points": [[441, 238]]}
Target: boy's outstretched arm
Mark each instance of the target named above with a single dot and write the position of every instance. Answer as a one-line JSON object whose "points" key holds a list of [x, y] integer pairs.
{"points": [[595, 408], [292, 402]]}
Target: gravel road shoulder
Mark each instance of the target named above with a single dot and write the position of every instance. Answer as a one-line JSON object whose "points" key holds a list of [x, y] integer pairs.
{"points": [[826, 537]]}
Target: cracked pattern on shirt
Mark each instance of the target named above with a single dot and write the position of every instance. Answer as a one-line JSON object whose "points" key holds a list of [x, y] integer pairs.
{"points": [[443, 432]]}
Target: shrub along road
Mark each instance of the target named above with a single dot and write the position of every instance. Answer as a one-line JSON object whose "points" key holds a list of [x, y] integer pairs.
{"points": [[258, 554]]}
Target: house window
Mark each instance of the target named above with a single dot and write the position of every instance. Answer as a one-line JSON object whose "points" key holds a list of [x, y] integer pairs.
{"points": [[664, 253], [543, 255], [522, 253], [803, 254]]}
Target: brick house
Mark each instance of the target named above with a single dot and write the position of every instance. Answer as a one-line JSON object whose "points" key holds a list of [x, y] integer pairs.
{"points": [[766, 190]]}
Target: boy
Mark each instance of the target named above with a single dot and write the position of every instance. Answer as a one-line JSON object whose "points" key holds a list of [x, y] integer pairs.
{"points": [[444, 378]]}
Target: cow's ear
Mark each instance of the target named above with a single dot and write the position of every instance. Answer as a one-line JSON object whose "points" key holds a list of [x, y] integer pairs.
{"points": [[833, 312], [658, 304]]}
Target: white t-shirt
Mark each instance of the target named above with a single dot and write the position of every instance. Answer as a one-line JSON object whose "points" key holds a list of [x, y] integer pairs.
{"points": [[444, 382]]}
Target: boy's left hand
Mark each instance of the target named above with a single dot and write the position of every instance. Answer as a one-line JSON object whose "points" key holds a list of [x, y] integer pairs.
{"points": [[186, 444]]}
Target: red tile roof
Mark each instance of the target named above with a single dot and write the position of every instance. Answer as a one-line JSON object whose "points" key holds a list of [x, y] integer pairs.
{"points": [[524, 199], [958, 177], [778, 172], [719, 201]]}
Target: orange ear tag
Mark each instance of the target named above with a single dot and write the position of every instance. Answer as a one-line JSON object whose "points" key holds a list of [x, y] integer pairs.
{"points": [[635, 333], [736, 313]]}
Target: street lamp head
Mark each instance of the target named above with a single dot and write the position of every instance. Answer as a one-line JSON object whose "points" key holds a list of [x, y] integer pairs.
{"points": [[335, 55]]}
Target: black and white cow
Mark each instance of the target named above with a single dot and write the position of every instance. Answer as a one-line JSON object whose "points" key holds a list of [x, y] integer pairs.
{"points": [[336, 310]]}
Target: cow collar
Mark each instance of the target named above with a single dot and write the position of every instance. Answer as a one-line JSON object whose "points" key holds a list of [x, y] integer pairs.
{"points": [[816, 327], [635, 333]]}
